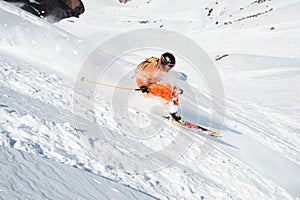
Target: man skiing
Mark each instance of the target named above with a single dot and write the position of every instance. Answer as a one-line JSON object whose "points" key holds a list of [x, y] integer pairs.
{"points": [[149, 76]]}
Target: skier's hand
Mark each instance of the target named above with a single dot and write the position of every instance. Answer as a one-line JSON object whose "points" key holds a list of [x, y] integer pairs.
{"points": [[180, 91], [144, 89]]}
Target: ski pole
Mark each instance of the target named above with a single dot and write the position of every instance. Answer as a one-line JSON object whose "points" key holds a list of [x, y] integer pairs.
{"points": [[108, 85]]}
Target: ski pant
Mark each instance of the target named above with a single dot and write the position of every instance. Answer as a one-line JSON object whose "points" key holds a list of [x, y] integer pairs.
{"points": [[167, 92]]}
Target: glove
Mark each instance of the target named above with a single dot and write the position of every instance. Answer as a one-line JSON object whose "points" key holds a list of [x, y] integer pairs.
{"points": [[180, 91], [176, 117], [144, 89]]}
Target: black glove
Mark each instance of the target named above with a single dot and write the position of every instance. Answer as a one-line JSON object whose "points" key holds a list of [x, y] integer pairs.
{"points": [[176, 117], [144, 89], [180, 91]]}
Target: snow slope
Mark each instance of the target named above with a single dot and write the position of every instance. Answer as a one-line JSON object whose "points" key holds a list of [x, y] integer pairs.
{"points": [[29, 36], [27, 176], [36, 110], [257, 157]]}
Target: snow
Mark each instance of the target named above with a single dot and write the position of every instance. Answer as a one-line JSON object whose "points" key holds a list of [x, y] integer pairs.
{"points": [[45, 116], [27, 176]]}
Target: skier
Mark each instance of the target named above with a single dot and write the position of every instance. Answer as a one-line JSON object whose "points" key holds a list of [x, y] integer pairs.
{"points": [[149, 78]]}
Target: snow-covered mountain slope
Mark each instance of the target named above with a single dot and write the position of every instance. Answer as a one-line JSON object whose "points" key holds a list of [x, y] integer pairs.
{"points": [[36, 112], [257, 157], [26, 126], [27, 176], [259, 41], [29, 36]]}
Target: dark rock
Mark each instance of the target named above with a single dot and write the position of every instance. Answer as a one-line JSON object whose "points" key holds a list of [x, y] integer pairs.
{"points": [[123, 1], [54, 10], [74, 7]]}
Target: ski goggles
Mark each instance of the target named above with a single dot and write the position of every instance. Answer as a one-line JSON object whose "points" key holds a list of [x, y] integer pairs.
{"points": [[169, 66]]}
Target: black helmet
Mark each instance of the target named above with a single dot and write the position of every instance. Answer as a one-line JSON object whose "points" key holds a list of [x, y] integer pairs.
{"points": [[167, 58]]}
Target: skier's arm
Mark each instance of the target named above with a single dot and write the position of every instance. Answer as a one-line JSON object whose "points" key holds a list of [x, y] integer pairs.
{"points": [[140, 82], [145, 74]]}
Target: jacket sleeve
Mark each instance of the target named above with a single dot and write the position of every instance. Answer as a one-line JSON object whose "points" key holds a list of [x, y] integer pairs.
{"points": [[140, 82], [140, 74], [145, 74]]}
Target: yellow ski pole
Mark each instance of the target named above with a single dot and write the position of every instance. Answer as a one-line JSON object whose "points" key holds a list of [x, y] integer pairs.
{"points": [[108, 85]]}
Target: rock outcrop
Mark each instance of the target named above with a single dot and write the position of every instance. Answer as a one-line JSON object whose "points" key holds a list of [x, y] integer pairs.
{"points": [[53, 10], [123, 1]]}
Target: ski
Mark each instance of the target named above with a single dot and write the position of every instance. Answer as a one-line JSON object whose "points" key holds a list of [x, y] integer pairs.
{"points": [[196, 127], [200, 128]]}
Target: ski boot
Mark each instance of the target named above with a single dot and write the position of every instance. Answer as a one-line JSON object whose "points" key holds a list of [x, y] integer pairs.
{"points": [[175, 118]]}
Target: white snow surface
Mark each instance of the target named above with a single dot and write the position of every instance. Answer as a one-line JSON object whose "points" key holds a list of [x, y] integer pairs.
{"points": [[32, 177], [257, 157]]}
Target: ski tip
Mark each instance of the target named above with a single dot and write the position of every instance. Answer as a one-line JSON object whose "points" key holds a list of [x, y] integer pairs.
{"points": [[215, 134], [177, 123], [212, 133]]}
